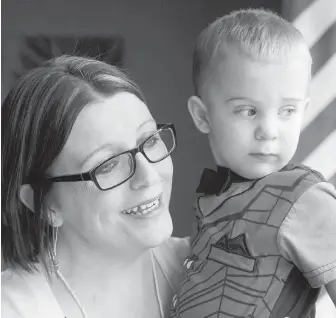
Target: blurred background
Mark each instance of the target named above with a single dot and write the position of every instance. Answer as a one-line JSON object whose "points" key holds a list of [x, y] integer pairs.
{"points": [[153, 40]]}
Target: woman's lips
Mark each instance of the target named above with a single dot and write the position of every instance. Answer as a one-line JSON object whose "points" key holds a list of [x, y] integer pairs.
{"points": [[146, 208]]}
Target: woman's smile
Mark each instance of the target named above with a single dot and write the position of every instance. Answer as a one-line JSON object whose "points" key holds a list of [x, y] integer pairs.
{"points": [[146, 208]]}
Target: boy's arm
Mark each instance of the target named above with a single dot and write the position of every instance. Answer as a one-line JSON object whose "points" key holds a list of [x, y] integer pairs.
{"points": [[331, 289], [307, 236]]}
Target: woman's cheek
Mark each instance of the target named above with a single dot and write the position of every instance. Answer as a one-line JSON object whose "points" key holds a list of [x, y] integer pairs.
{"points": [[166, 169]]}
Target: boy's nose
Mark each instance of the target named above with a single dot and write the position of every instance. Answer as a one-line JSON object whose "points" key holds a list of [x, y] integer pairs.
{"points": [[267, 129], [145, 175]]}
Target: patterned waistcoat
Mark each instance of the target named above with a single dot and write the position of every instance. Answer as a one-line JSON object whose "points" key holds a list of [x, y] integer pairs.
{"points": [[235, 269]]}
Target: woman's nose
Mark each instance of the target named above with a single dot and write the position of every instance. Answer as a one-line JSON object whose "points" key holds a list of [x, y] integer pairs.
{"points": [[145, 175]]}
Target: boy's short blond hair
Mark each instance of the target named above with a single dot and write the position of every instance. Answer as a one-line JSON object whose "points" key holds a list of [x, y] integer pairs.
{"points": [[256, 33]]}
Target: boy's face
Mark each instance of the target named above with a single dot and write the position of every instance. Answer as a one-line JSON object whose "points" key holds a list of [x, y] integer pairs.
{"points": [[252, 113]]}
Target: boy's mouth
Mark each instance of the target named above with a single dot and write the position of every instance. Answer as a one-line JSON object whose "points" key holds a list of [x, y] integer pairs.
{"points": [[264, 156]]}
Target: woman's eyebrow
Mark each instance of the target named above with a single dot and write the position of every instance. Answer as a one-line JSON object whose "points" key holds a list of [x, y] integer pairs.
{"points": [[101, 147], [110, 145], [151, 120]]}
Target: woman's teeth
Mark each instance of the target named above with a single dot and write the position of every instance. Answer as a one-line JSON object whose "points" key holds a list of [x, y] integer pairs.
{"points": [[143, 209]]}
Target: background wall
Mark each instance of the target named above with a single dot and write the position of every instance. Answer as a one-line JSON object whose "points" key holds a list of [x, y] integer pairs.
{"points": [[159, 37]]}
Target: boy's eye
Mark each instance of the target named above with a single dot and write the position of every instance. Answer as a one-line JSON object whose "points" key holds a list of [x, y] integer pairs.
{"points": [[246, 112], [288, 111]]}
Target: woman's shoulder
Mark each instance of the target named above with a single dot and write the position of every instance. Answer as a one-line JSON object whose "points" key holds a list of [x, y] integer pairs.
{"points": [[179, 246], [26, 294], [18, 293], [170, 255]]}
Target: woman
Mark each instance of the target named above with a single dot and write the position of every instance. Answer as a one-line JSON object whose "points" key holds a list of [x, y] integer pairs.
{"points": [[86, 183]]}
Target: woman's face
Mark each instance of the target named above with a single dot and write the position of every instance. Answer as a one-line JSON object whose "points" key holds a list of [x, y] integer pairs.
{"points": [[97, 218]]}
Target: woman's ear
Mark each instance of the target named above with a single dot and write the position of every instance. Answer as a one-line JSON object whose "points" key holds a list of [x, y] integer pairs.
{"points": [[199, 114], [27, 198], [55, 218]]}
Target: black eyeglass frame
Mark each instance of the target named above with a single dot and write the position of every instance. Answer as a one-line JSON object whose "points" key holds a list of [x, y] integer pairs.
{"points": [[91, 174]]}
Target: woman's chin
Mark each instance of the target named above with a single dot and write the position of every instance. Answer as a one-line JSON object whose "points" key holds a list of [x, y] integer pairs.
{"points": [[158, 231]]}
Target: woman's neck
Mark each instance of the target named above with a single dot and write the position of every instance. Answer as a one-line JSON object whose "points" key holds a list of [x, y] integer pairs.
{"points": [[104, 282], [82, 262]]}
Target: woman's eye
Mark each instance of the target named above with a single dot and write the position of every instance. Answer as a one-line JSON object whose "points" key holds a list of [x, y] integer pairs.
{"points": [[152, 142], [108, 167]]}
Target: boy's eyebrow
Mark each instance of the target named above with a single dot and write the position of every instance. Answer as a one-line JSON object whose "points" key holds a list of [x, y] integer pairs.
{"points": [[292, 100], [241, 98], [287, 100]]}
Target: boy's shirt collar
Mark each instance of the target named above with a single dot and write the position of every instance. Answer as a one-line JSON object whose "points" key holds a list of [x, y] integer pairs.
{"points": [[216, 182]]}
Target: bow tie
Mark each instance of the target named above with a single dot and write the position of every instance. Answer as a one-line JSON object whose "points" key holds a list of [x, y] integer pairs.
{"points": [[216, 182]]}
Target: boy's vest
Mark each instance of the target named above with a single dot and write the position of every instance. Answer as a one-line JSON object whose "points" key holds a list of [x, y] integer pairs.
{"points": [[236, 269]]}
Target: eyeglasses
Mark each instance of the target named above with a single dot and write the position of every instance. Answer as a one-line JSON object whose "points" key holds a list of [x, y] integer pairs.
{"points": [[119, 168]]}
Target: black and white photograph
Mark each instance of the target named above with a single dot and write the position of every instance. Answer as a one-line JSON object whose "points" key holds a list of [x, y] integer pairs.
{"points": [[168, 159]]}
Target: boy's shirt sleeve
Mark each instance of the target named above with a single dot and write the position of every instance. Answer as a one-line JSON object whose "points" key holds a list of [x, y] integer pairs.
{"points": [[307, 237]]}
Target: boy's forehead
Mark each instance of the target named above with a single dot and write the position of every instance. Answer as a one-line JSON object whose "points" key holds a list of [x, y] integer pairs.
{"points": [[262, 53], [239, 74], [233, 58]]}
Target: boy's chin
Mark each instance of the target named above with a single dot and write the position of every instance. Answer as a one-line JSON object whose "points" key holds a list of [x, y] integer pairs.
{"points": [[258, 172]]}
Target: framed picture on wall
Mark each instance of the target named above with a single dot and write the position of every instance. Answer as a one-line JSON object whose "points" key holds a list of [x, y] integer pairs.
{"points": [[34, 50]]}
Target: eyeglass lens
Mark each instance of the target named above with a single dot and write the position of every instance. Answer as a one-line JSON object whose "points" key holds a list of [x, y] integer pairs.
{"points": [[120, 168]]}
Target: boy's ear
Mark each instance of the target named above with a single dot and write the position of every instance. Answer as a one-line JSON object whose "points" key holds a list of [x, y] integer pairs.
{"points": [[199, 114], [307, 104], [27, 198]]}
